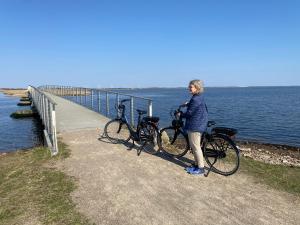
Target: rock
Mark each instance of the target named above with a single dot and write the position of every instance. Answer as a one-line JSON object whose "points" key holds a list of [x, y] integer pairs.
{"points": [[25, 103], [24, 113], [24, 99], [245, 149]]}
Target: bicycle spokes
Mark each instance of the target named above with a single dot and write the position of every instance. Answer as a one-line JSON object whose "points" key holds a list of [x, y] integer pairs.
{"points": [[221, 155]]}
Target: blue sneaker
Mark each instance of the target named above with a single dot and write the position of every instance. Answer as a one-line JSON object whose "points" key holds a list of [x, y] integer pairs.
{"points": [[197, 171], [190, 168]]}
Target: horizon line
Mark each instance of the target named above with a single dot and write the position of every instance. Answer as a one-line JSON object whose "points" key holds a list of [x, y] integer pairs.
{"points": [[229, 86]]}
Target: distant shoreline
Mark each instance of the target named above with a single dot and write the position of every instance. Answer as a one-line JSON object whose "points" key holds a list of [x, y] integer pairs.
{"points": [[16, 92], [139, 88]]}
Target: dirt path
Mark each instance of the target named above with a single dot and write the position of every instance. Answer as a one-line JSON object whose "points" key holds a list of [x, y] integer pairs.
{"points": [[118, 187]]}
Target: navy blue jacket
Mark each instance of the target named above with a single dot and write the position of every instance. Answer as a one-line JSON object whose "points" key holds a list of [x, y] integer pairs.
{"points": [[196, 114]]}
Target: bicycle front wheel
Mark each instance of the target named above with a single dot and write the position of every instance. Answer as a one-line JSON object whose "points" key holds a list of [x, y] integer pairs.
{"points": [[149, 138], [173, 142], [117, 131], [221, 153]]}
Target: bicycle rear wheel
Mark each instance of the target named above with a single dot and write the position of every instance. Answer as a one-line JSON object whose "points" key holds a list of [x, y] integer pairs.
{"points": [[117, 131], [221, 153], [149, 138], [173, 142]]}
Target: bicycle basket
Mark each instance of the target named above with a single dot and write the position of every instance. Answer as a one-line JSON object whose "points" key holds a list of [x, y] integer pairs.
{"points": [[225, 130], [177, 123]]}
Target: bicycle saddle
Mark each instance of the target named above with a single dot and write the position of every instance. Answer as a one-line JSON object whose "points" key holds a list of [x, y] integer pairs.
{"points": [[225, 130], [153, 119], [141, 112]]}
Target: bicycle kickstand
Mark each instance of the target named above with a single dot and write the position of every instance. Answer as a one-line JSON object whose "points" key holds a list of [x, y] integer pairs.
{"points": [[209, 169], [103, 135], [139, 151]]}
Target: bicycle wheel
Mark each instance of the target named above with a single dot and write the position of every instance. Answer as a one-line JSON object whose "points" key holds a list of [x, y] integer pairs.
{"points": [[221, 153], [117, 131], [173, 142], [149, 138]]}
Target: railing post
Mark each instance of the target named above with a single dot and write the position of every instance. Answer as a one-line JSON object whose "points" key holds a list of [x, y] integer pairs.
{"points": [[77, 95], [43, 108], [150, 105], [99, 101], [107, 104], [71, 93], [92, 99], [85, 99], [80, 96], [118, 99], [117, 104], [46, 113], [131, 112], [54, 138]]}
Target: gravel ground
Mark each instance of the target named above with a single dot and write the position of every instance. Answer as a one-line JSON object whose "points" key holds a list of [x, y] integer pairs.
{"points": [[115, 186]]}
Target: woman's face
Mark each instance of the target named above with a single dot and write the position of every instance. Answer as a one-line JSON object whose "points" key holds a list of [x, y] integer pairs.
{"points": [[192, 89]]}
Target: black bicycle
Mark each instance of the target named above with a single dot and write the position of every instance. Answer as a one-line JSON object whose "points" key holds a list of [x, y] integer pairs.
{"points": [[146, 132], [219, 150]]}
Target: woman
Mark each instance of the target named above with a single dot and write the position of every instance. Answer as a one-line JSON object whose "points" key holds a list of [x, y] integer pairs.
{"points": [[196, 121]]}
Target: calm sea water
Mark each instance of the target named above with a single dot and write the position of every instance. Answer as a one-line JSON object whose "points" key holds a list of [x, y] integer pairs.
{"points": [[262, 114], [16, 133]]}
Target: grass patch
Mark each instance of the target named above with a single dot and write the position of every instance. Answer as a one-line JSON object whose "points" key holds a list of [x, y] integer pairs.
{"points": [[33, 193], [277, 176]]}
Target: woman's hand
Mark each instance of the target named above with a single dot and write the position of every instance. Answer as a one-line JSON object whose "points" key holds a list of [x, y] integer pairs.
{"points": [[178, 114]]}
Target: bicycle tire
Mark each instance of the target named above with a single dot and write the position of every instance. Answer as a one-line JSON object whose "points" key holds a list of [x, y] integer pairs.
{"points": [[117, 131], [149, 138], [173, 142], [218, 149]]}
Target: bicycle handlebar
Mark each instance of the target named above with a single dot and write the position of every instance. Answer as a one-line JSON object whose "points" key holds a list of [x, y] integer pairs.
{"points": [[121, 105], [180, 107], [125, 100]]}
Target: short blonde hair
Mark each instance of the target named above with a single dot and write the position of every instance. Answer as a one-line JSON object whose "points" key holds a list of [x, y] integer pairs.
{"points": [[198, 85]]}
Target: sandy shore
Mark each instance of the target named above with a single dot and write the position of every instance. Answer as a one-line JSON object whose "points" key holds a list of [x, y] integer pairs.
{"points": [[18, 92]]}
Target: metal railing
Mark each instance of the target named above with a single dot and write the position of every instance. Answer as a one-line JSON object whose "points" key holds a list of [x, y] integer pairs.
{"points": [[102, 101], [45, 106]]}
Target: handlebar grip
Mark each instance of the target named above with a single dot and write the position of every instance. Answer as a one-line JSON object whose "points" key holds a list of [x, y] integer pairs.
{"points": [[177, 111]]}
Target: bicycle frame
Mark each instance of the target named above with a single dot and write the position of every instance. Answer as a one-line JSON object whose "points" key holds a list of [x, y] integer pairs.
{"points": [[206, 137], [134, 134]]}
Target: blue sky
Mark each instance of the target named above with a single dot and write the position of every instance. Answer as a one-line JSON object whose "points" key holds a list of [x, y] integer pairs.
{"points": [[149, 43]]}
